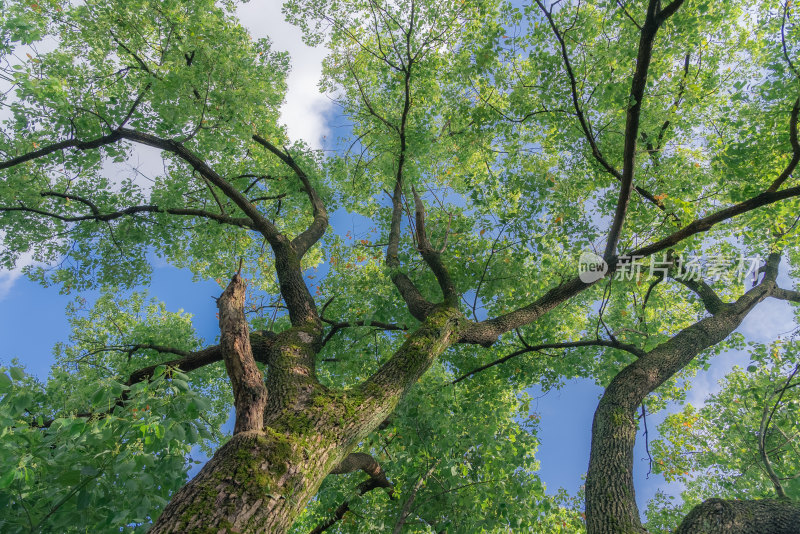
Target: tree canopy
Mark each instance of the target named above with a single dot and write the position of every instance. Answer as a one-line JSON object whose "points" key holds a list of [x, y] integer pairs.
{"points": [[492, 148]]}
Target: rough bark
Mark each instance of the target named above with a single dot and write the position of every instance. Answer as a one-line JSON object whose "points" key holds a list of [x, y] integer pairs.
{"points": [[249, 392], [610, 498], [766, 516], [260, 343], [356, 461], [259, 481], [262, 479]]}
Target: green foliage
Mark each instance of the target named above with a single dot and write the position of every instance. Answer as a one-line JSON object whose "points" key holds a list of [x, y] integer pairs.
{"points": [[714, 450], [67, 472], [71, 473], [473, 99], [471, 451], [178, 70]]}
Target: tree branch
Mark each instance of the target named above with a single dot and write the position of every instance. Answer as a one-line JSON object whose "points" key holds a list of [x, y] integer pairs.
{"points": [[293, 288], [418, 305], [104, 140], [337, 326], [261, 343], [317, 228], [644, 55], [766, 420], [703, 224], [360, 461], [564, 345], [487, 332], [708, 296], [260, 223], [668, 11], [787, 172], [401, 519], [189, 361], [758, 516], [392, 380], [614, 427], [431, 256], [786, 294], [377, 479], [243, 222], [249, 391], [585, 125]]}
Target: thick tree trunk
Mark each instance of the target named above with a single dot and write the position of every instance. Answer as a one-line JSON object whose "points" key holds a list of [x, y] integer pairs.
{"points": [[260, 480], [257, 482], [767, 516], [610, 498]]}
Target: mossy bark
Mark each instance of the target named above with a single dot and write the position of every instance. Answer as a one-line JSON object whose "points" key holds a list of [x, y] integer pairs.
{"points": [[256, 482], [260, 480]]}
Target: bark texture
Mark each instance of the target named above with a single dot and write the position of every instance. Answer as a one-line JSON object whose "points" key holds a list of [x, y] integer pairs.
{"points": [[252, 484], [610, 498], [249, 392], [263, 478], [718, 516]]}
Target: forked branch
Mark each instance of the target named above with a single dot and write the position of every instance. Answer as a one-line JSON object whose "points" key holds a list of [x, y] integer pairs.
{"points": [[259, 222], [431, 256], [652, 22], [317, 228], [377, 479], [487, 332]]}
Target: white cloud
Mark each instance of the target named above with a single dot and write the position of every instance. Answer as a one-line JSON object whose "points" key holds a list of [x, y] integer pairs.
{"points": [[707, 383], [8, 278], [305, 107]]}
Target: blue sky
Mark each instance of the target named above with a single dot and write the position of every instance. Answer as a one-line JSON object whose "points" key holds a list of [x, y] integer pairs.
{"points": [[566, 414], [32, 317]]}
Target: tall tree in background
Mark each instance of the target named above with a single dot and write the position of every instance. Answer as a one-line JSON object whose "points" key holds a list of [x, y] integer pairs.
{"points": [[490, 145]]}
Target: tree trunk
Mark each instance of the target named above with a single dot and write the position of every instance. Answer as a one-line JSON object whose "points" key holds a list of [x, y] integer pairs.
{"points": [[256, 482], [610, 499], [718, 516], [261, 480]]}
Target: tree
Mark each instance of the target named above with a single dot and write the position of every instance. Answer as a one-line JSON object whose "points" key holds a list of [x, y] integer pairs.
{"points": [[507, 142], [756, 412]]}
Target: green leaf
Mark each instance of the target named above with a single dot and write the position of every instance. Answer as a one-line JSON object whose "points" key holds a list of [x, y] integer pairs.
{"points": [[6, 479], [98, 396], [89, 470], [182, 385], [17, 373], [5, 383], [84, 498]]}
